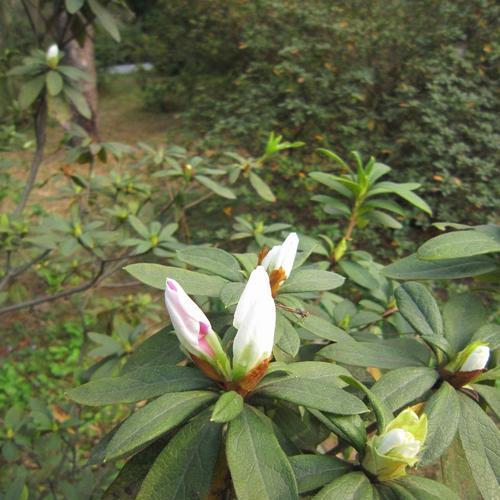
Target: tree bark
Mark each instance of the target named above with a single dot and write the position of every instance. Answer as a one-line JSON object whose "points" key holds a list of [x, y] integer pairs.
{"points": [[83, 58]]}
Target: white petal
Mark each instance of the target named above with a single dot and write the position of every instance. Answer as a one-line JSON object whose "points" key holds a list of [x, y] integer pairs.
{"points": [[257, 286], [288, 253], [477, 360], [392, 439], [269, 260]]}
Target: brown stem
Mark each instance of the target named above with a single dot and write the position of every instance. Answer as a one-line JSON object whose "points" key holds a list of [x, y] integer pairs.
{"points": [[40, 119]]}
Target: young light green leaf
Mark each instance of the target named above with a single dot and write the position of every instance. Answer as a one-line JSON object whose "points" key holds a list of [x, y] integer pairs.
{"points": [[155, 419], [228, 407], [184, 469], [215, 187], [54, 82], [419, 308], [262, 189]]}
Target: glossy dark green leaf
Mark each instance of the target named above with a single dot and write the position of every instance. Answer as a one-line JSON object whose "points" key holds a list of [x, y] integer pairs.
{"points": [[194, 283], [491, 395], [412, 267], [139, 384], [228, 407], [390, 354], [459, 244], [352, 486], [311, 280], [214, 260], [155, 419], [419, 308], [184, 469], [443, 413], [311, 394], [314, 471], [481, 443], [258, 466], [350, 428], [403, 386], [463, 315], [160, 349]]}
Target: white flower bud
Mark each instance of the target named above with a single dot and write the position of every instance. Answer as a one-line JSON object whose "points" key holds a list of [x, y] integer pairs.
{"points": [[477, 359], [53, 56], [282, 255]]}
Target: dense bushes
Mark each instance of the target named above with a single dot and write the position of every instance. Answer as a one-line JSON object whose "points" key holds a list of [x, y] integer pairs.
{"points": [[374, 76]]}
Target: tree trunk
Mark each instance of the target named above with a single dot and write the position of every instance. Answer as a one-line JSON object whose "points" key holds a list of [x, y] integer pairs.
{"points": [[83, 58]]}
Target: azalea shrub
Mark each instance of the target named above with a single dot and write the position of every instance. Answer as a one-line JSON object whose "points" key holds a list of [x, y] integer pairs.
{"points": [[267, 384]]}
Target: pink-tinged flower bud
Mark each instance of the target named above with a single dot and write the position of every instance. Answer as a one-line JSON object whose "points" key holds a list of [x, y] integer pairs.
{"points": [[282, 256], [255, 320]]}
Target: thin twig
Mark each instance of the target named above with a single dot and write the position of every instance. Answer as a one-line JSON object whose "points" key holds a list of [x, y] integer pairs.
{"points": [[13, 272]]}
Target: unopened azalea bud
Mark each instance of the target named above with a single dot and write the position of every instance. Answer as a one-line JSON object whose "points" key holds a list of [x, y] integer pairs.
{"points": [[282, 256], [340, 250], [53, 56], [255, 320], [477, 360], [388, 455], [193, 329], [474, 357]]}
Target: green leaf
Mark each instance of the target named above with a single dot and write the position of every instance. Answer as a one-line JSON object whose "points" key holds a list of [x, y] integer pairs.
{"points": [[421, 488], [333, 204], [383, 414], [443, 413], [359, 274], [311, 280], [318, 371], [73, 73], [350, 428], [139, 227], [139, 384], [158, 350], [352, 486], [184, 469], [489, 333], [258, 466], [132, 474], [214, 260], [228, 407], [481, 442], [54, 82], [78, 100], [287, 338], [459, 244], [394, 353], [311, 394], [383, 219], [73, 6], [263, 190], [194, 283], [105, 18], [30, 91], [401, 387], [332, 182], [402, 191], [314, 471], [463, 315], [155, 419], [491, 395], [320, 327], [231, 293], [419, 308], [215, 187], [411, 267]]}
